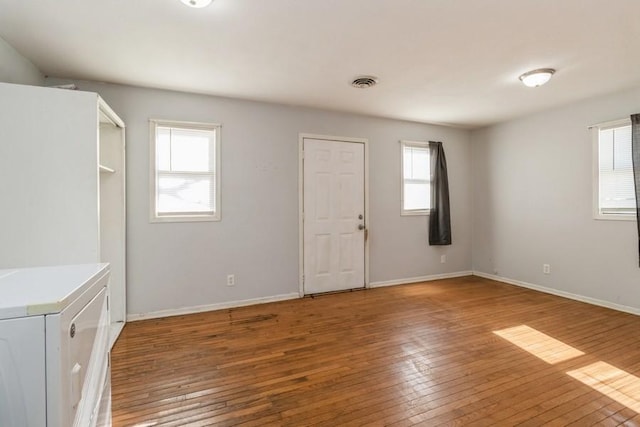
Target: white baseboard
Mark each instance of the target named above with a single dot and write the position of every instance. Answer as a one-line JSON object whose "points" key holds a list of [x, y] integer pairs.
{"points": [[576, 297], [284, 297], [233, 304], [420, 279], [210, 307]]}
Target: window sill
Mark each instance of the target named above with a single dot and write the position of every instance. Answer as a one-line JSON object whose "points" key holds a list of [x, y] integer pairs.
{"points": [[185, 218], [614, 217], [415, 213]]}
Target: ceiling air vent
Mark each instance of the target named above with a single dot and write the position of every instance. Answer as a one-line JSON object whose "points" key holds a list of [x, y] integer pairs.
{"points": [[363, 82]]}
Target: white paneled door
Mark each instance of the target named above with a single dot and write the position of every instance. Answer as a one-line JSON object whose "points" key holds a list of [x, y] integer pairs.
{"points": [[333, 215]]}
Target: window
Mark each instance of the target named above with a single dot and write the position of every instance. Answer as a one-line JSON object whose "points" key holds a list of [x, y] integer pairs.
{"points": [[614, 193], [185, 171], [416, 178]]}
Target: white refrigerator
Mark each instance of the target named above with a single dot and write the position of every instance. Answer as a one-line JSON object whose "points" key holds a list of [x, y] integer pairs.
{"points": [[54, 346]]}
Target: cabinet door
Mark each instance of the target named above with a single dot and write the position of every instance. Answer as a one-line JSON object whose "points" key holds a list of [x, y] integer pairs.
{"points": [[22, 372]]}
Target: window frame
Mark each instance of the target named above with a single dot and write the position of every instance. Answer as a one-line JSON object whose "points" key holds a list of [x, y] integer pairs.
{"points": [[410, 143], [153, 169], [595, 138]]}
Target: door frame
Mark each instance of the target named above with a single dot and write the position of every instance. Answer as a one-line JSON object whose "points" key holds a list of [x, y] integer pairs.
{"points": [[367, 223]]}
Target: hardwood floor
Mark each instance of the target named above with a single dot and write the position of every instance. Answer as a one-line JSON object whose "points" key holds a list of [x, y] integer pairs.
{"points": [[419, 354]]}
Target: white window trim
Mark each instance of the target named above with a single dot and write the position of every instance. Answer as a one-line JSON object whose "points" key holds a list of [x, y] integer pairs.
{"points": [[403, 211], [595, 141], [182, 217]]}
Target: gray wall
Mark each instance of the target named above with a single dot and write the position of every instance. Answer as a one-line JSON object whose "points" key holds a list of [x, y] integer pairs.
{"points": [[176, 265], [15, 68], [532, 204]]}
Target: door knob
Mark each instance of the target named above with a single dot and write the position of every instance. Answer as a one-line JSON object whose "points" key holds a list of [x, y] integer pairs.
{"points": [[360, 226]]}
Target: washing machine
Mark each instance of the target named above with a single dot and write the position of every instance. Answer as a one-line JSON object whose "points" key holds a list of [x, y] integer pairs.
{"points": [[54, 346]]}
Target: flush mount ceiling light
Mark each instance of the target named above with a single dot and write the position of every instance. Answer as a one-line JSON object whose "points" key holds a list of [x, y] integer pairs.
{"points": [[197, 3], [363, 82], [537, 77]]}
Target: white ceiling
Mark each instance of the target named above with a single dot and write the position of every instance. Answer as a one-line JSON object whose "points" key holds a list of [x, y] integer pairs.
{"points": [[440, 61]]}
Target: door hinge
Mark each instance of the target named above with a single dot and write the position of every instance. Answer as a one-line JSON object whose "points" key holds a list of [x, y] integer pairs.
{"points": [[107, 302]]}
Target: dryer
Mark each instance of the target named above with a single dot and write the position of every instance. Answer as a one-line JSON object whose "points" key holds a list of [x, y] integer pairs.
{"points": [[54, 346]]}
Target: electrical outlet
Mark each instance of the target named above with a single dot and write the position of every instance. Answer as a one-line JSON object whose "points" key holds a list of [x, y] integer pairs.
{"points": [[231, 280], [443, 259], [546, 268]]}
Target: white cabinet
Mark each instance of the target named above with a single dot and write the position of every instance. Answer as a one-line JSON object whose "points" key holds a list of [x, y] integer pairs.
{"points": [[62, 163], [54, 347]]}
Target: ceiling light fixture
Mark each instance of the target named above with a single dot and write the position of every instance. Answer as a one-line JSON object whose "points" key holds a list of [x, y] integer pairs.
{"points": [[537, 77], [197, 3]]}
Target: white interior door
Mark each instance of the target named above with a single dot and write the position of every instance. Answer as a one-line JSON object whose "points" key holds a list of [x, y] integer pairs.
{"points": [[333, 215]]}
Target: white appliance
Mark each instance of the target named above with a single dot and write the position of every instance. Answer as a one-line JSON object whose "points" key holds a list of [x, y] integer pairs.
{"points": [[54, 346], [62, 156]]}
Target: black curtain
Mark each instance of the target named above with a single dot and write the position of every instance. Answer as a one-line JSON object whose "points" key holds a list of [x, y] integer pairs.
{"points": [[635, 149], [439, 218]]}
